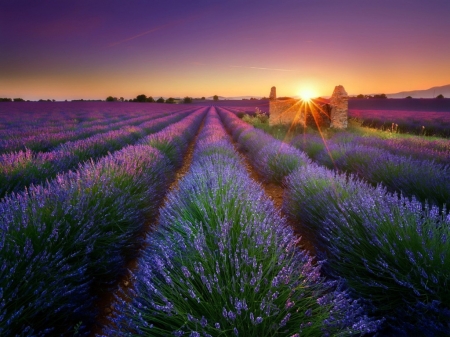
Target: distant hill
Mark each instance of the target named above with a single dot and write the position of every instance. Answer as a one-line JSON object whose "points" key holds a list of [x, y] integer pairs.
{"points": [[428, 93]]}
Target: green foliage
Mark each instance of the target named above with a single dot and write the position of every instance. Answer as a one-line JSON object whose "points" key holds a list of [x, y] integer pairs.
{"points": [[111, 99], [440, 96], [170, 100], [215, 97], [187, 99], [160, 100], [259, 118], [150, 99]]}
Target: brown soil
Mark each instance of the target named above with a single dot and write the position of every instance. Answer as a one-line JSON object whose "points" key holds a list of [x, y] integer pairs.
{"points": [[106, 301], [275, 193]]}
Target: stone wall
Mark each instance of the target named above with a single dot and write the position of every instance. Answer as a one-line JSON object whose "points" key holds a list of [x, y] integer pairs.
{"points": [[283, 112], [297, 113]]}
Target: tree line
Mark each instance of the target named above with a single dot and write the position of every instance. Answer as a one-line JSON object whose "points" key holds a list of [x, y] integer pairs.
{"points": [[144, 99]]}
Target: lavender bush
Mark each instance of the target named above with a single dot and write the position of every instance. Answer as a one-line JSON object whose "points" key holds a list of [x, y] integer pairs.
{"points": [[276, 160], [309, 143]]}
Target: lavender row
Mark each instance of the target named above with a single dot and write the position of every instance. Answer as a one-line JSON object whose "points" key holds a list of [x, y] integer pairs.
{"points": [[272, 158], [437, 150], [427, 180], [43, 140], [416, 147], [66, 242], [223, 262], [391, 251], [23, 168]]}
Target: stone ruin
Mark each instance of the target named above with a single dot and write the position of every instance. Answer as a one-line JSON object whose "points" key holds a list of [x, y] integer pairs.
{"points": [[339, 108], [273, 94], [320, 113]]}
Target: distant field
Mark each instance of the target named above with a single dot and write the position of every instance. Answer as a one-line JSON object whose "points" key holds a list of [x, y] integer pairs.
{"points": [[417, 116]]}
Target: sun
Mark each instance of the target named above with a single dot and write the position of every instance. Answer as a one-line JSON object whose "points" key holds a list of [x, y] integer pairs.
{"points": [[306, 94]]}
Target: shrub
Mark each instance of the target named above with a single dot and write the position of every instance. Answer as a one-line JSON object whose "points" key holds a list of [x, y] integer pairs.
{"points": [[240, 114]]}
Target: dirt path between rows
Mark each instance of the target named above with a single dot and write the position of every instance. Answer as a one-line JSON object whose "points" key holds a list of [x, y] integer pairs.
{"points": [[275, 193], [106, 302]]}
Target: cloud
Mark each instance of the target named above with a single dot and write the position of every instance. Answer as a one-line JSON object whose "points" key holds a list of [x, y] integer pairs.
{"points": [[139, 35], [171, 24]]}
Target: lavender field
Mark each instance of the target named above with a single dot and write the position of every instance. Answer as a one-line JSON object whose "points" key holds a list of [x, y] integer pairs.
{"points": [[128, 219], [430, 117]]}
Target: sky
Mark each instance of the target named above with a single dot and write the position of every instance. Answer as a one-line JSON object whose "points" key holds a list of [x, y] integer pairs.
{"points": [[91, 49]]}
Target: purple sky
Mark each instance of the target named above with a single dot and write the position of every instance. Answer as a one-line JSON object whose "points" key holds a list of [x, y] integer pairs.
{"points": [[91, 49]]}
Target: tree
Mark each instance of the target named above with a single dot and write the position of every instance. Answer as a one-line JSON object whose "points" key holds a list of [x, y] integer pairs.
{"points": [[150, 99], [203, 98], [160, 100], [408, 97], [110, 99], [440, 96], [360, 96], [121, 99], [380, 96], [170, 100], [187, 99], [19, 100], [215, 97], [141, 98]]}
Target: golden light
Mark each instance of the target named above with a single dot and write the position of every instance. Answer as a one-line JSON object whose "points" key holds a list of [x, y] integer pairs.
{"points": [[306, 94]]}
